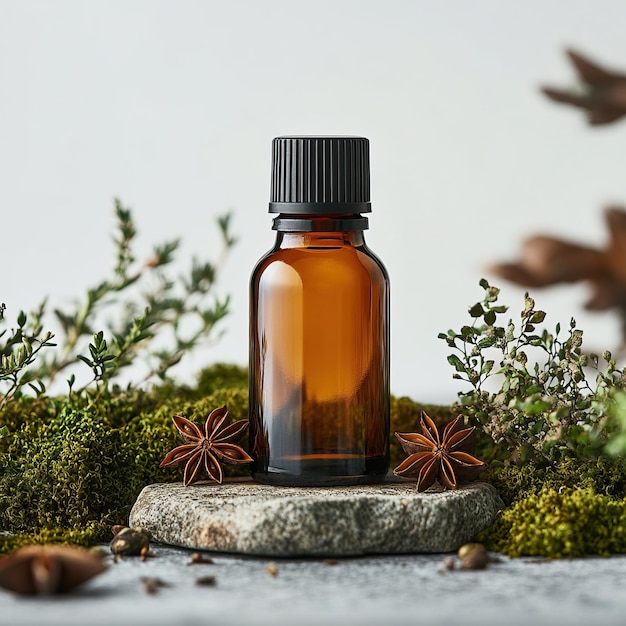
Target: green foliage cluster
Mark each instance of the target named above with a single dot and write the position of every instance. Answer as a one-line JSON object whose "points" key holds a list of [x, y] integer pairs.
{"points": [[157, 318], [72, 465], [546, 409], [560, 523], [616, 445], [19, 349], [74, 471], [554, 427]]}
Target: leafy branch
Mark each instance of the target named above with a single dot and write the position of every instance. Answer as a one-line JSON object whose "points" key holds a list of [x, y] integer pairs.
{"points": [[546, 407], [157, 318]]}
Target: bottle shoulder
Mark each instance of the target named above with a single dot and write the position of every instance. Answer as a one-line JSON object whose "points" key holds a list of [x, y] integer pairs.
{"points": [[322, 261]]}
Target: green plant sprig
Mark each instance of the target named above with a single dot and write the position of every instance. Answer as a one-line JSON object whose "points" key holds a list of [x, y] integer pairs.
{"points": [[546, 408], [18, 351], [158, 318]]}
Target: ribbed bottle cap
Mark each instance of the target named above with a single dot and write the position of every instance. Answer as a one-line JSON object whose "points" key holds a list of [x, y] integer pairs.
{"points": [[320, 175]]}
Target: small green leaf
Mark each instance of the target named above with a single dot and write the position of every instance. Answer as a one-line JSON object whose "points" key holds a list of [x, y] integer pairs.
{"points": [[487, 367], [84, 359], [456, 363], [538, 317], [476, 310], [486, 342], [490, 317], [467, 332]]}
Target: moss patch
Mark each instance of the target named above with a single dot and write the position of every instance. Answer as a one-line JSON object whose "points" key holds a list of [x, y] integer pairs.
{"points": [[556, 524], [67, 472]]}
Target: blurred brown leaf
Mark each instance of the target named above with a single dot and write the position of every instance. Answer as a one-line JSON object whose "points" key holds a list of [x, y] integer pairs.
{"points": [[546, 261], [603, 93]]}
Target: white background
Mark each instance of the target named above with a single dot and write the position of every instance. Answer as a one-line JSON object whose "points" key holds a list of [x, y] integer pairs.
{"points": [[172, 106]]}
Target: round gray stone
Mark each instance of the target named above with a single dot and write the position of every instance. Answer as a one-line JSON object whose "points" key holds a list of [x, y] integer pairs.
{"points": [[244, 517]]}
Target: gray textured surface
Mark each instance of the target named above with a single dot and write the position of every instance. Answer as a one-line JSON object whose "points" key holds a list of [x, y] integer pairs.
{"points": [[248, 518], [368, 591]]}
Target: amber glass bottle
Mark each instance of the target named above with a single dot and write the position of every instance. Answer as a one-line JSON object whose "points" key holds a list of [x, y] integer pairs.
{"points": [[319, 320]]}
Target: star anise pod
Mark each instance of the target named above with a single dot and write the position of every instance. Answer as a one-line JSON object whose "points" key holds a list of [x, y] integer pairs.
{"points": [[48, 569], [204, 449], [438, 457], [603, 95]]}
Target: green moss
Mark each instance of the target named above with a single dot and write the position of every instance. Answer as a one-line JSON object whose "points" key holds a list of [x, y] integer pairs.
{"points": [[222, 376], [67, 471], [556, 524], [71, 471], [601, 475], [74, 471], [86, 536], [211, 379], [159, 435]]}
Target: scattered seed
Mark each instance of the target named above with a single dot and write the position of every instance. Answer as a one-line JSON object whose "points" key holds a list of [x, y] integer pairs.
{"points": [[146, 553], [152, 585], [449, 563], [206, 581], [330, 562], [466, 548], [200, 559], [478, 559], [272, 569], [130, 542]]}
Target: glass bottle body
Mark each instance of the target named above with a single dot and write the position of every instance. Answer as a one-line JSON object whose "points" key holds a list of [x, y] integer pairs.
{"points": [[319, 362]]}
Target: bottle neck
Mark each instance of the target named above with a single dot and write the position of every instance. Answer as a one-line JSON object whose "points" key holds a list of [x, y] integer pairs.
{"points": [[290, 223], [319, 239]]}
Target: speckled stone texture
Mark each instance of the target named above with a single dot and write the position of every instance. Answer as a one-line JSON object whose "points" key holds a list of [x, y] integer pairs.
{"points": [[244, 517]]}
